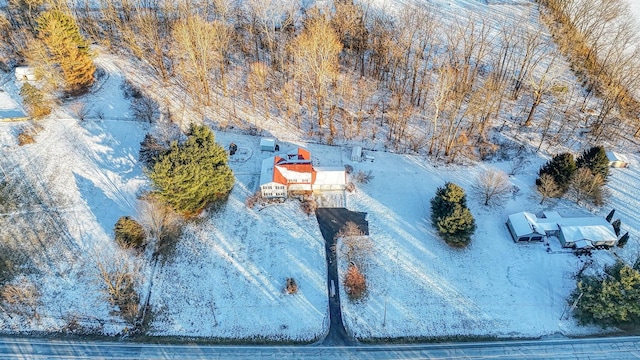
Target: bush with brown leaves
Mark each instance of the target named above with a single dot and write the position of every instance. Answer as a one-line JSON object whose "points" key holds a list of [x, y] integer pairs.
{"points": [[355, 283]]}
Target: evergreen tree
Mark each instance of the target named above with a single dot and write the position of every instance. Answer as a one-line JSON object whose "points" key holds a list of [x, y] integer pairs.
{"points": [[192, 175], [616, 226], [595, 159], [450, 215], [67, 49], [35, 102], [561, 167], [623, 240], [610, 216], [609, 300], [457, 227]]}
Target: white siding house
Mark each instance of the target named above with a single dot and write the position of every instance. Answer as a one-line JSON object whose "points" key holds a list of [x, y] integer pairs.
{"points": [[617, 160]]}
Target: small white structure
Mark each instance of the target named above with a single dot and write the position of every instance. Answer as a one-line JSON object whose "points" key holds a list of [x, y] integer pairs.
{"points": [[356, 154], [617, 160], [25, 73], [268, 144], [577, 232]]}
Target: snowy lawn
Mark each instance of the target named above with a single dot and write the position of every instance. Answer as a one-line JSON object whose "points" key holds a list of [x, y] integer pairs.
{"points": [[420, 287]]}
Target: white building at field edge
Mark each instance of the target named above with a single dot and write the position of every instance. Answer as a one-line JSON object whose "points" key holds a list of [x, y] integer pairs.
{"points": [[572, 232]]}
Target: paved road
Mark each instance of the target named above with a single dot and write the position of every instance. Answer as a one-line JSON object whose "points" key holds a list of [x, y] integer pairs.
{"points": [[603, 348]]}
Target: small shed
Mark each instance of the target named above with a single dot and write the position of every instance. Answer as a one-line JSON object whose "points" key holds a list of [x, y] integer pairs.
{"points": [[356, 154], [25, 73], [268, 144], [617, 160]]}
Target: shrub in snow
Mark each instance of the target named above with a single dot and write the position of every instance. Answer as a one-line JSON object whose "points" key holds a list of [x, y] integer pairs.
{"points": [[150, 151], [611, 299], [355, 246], [129, 233], [348, 169], [28, 133], [21, 299], [292, 286], [309, 206], [253, 199], [119, 285], [194, 174], [450, 215], [355, 284], [350, 187]]}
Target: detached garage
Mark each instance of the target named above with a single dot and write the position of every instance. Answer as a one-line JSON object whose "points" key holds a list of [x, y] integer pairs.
{"points": [[522, 227]]}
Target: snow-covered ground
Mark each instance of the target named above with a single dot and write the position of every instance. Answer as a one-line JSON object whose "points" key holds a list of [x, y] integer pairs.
{"points": [[228, 275], [419, 286]]}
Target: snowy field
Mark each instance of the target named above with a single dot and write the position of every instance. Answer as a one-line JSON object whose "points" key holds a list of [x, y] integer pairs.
{"points": [[228, 275], [494, 287]]}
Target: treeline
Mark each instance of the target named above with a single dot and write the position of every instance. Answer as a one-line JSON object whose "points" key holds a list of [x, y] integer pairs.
{"points": [[600, 39], [422, 80]]}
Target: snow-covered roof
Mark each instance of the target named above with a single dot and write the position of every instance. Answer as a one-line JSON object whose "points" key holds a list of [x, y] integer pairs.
{"points": [[330, 176], [614, 156], [524, 223], [9, 108], [267, 142], [593, 228], [266, 172]]}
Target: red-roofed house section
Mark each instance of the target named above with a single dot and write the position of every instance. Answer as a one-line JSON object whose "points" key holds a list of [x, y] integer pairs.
{"points": [[294, 172]]}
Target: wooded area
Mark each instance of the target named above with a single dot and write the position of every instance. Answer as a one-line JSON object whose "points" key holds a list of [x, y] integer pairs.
{"points": [[348, 71]]}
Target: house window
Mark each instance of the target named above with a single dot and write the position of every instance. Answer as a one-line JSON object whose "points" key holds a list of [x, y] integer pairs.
{"points": [[523, 238], [536, 238]]}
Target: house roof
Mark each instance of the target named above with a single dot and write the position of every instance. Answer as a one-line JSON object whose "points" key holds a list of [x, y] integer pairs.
{"points": [[593, 228], [614, 156], [267, 170], [330, 176], [9, 108], [524, 223]]}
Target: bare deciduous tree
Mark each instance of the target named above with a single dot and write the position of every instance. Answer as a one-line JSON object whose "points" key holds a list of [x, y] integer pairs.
{"points": [[161, 223], [492, 187], [315, 52], [22, 298], [548, 187], [118, 279], [355, 245], [586, 186]]}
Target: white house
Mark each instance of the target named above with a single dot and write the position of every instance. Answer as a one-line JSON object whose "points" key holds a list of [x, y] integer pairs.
{"points": [[293, 172], [573, 232]]}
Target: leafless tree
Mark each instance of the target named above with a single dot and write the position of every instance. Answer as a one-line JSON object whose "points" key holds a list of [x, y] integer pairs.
{"points": [[492, 187], [21, 298], [584, 185], [161, 223], [118, 279], [354, 245], [315, 52], [548, 188]]}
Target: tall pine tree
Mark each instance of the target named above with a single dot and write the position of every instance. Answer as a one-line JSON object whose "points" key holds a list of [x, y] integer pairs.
{"points": [[595, 159], [561, 167], [66, 49], [450, 215], [194, 174]]}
